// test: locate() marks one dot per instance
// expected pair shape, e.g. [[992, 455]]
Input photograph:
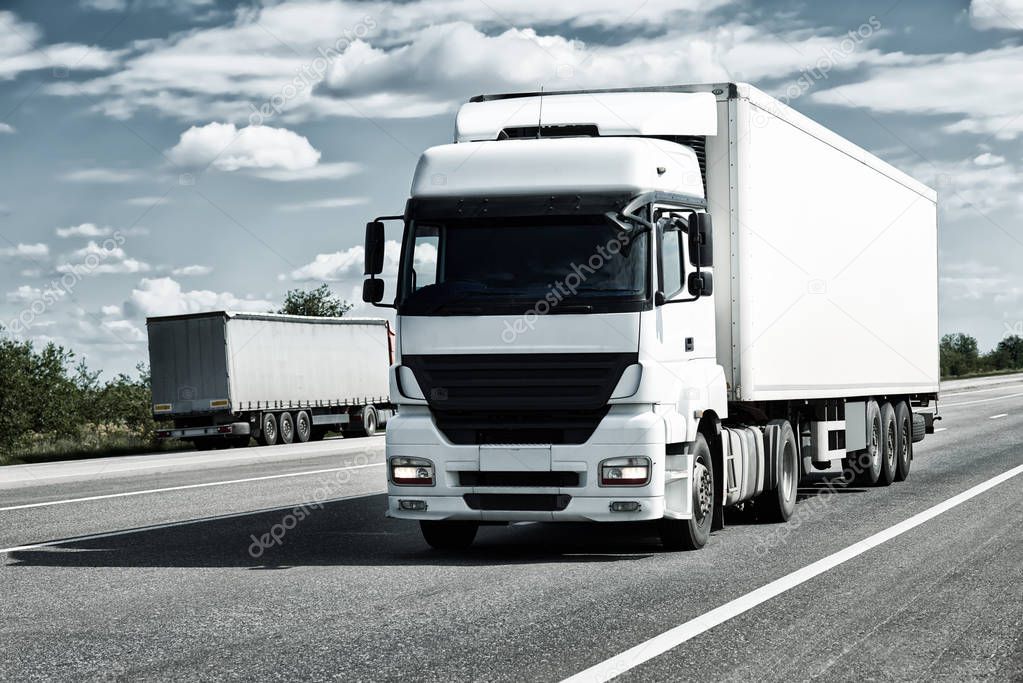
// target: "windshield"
[[566, 264]]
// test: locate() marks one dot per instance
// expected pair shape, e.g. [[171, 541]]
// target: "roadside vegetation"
[[961, 358]]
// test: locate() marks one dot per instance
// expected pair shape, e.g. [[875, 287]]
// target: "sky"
[[172, 156]]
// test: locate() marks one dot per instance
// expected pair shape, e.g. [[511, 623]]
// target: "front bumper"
[[626, 431]]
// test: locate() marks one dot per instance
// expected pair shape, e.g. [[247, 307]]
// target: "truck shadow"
[[350, 532]]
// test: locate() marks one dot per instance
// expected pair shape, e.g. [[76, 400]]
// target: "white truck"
[[221, 378], [576, 342]]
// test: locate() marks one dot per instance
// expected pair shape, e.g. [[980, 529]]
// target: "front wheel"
[[449, 535], [692, 534]]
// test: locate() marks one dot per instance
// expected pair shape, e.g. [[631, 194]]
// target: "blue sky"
[[133, 182]]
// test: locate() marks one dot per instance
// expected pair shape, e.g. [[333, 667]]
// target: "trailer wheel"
[[889, 445], [369, 424], [287, 424], [268, 430], [449, 535], [692, 534], [903, 441], [778, 504], [866, 465], [303, 427]]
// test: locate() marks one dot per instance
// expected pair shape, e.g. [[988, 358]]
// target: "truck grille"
[[519, 398], [552, 479], [519, 502]]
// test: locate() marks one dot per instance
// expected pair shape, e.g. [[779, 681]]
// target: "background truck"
[[221, 378], [652, 304]]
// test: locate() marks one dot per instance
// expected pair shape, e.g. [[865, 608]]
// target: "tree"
[[958, 354], [1008, 355], [319, 302]]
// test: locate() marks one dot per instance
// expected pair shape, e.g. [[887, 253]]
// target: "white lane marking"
[[633, 657], [995, 417], [186, 486], [939, 429], [184, 522], [979, 400]]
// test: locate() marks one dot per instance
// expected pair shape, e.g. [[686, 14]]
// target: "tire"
[[903, 441], [447, 535], [692, 534], [287, 427], [866, 465], [303, 427], [369, 424], [778, 504], [268, 432], [889, 447]]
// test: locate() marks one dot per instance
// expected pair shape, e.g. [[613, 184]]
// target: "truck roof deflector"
[[642, 114]]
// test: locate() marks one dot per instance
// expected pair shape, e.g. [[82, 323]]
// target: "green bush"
[[49, 402]]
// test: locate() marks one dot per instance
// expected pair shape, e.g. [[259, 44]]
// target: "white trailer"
[[220, 378], [652, 304]]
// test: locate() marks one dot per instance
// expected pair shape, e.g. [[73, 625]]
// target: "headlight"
[[625, 472], [412, 471]]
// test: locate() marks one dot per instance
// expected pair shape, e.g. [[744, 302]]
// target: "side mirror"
[[374, 248], [373, 291], [701, 241], [701, 284]]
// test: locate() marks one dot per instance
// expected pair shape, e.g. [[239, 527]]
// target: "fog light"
[[412, 471], [625, 506], [414, 505], [625, 472]]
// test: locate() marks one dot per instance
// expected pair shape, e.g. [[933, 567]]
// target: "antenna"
[[539, 114]]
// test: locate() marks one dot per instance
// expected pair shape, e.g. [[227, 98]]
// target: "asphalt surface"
[[168, 584]]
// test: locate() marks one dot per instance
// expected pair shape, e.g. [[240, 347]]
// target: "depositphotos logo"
[[275, 535]]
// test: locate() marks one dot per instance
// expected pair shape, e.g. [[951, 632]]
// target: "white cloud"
[[26, 294], [85, 230], [335, 203], [145, 201], [22, 49], [105, 259], [227, 148], [344, 265], [410, 59], [988, 159], [125, 330], [37, 250], [982, 89], [164, 296], [331, 171], [100, 175], [192, 270], [6, 127], [111, 310], [997, 14]]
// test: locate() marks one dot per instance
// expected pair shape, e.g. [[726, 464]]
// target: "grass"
[[987, 373], [95, 443]]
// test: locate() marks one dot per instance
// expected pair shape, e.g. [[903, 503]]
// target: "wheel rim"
[[286, 428], [270, 429], [875, 445], [788, 472], [704, 493], [303, 426], [904, 451], [890, 455]]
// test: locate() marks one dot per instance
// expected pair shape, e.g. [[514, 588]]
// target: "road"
[[162, 575]]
